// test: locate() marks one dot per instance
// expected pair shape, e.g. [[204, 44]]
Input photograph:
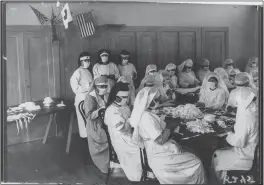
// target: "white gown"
[[169, 164], [80, 82], [243, 140], [127, 152]]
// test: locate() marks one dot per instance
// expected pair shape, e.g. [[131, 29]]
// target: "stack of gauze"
[[47, 102], [30, 106]]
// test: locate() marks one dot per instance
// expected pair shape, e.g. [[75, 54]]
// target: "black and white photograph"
[[130, 92]]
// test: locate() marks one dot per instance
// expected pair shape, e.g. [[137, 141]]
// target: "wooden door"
[[15, 69], [168, 48], [187, 46], [215, 45], [40, 68], [146, 51]]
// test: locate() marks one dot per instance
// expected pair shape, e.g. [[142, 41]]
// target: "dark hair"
[[119, 86], [213, 79], [83, 54], [125, 52], [102, 51]]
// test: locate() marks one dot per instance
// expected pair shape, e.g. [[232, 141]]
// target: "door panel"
[[215, 45], [146, 51], [187, 46], [167, 48], [15, 70]]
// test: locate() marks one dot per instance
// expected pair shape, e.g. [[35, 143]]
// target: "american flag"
[[42, 18], [86, 24]]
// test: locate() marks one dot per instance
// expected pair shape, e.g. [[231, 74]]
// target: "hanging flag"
[[86, 24], [66, 15], [42, 18]]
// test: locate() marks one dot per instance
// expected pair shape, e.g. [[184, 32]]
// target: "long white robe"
[[127, 152], [243, 140], [169, 164], [80, 82]]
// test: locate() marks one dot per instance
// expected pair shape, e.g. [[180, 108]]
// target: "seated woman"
[[252, 69], [106, 68], [243, 140], [132, 92], [94, 105], [225, 77], [171, 68], [117, 116], [126, 68], [228, 66], [213, 93], [170, 164], [151, 70], [187, 78], [205, 64], [242, 80]]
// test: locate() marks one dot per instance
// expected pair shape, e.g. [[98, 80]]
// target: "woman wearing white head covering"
[[151, 70], [228, 66], [204, 69], [170, 164], [186, 76], [252, 69], [243, 140], [225, 77], [132, 90], [94, 106], [171, 68], [117, 120], [213, 93]]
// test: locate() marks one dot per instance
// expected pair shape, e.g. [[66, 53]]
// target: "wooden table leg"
[[48, 128], [69, 133]]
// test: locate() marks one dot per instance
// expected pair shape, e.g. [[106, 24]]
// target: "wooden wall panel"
[[215, 45], [167, 48], [146, 51], [187, 46]]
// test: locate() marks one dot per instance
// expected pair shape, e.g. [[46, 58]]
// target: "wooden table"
[[52, 112]]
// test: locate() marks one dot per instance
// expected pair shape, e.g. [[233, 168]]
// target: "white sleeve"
[[96, 71], [116, 72], [75, 85], [240, 137]]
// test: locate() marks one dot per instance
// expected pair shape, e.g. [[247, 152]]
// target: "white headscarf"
[[149, 68], [221, 84], [142, 101], [181, 66], [170, 66]]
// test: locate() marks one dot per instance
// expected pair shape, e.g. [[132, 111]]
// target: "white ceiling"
[[234, 2]]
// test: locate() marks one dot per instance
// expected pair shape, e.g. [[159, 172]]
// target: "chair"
[[251, 176], [81, 110]]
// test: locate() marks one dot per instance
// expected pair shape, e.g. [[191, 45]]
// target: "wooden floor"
[[35, 162]]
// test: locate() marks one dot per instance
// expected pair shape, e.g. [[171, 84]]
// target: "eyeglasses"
[[125, 58], [102, 86], [172, 70], [229, 64]]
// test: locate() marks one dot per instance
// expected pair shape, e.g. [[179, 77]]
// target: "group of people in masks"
[[111, 99]]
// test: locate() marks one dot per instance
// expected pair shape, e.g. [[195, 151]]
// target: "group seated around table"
[[132, 122]]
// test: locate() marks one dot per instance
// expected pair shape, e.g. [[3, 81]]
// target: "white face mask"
[[230, 68], [254, 65], [101, 90], [124, 62], [85, 65], [104, 59], [122, 98], [212, 85]]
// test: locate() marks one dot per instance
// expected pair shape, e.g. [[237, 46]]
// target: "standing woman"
[[106, 68], [126, 68], [81, 83], [117, 116], [203, 70], [94, 106], [252, 69], [171, 68]]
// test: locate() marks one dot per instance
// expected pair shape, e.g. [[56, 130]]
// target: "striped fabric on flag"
[[86, 24], [42, 18]]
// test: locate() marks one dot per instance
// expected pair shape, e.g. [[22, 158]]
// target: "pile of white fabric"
[[30, 106], [199, 126], [188, 111]]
